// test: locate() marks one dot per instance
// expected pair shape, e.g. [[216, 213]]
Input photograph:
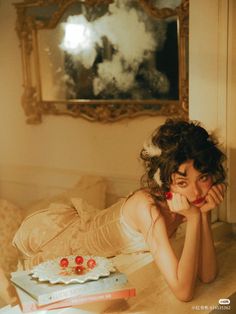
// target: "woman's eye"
[[182, 184], [204, 177]]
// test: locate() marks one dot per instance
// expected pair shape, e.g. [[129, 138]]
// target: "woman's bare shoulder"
[[141, 209], [142, 200]]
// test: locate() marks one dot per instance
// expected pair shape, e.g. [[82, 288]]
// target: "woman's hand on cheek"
[[214, 197], [179, 204]]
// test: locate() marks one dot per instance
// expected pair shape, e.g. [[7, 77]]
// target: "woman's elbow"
[[208, 279], [184, 295], [208, 275]]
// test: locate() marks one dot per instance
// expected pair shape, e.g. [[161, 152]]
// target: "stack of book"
[[35, 295]]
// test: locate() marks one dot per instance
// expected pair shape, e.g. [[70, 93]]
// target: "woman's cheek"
[[208, 185], [188, 195], [174, 188], [182, 191]]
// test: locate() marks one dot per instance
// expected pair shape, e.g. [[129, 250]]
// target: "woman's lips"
[[198, 201]]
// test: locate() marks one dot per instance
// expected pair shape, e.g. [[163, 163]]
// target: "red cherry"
[[79, 260], [64, 262], [91, 263], [79, 269]]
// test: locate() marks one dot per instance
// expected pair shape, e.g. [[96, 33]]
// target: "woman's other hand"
[[214, 197], [179, 204]]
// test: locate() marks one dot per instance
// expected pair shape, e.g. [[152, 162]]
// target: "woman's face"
[[191, 183]]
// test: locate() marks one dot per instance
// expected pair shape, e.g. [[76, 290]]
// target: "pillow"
[[7, 291], [90, 188], [10, 220]]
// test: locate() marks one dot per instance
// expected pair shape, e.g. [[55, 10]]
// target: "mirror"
[[104, 60]]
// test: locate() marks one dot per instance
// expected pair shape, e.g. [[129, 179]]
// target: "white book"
[[46, 293], [11, 310]]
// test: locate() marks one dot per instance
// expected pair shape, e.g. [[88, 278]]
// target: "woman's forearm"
[[188, 263], [207, 268]]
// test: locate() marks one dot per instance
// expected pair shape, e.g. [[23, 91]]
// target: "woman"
[[184, 181]]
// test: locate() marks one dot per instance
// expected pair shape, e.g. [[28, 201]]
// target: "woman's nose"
[[196, 190]]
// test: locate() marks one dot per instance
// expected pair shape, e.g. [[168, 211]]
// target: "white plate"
[[52, 271]]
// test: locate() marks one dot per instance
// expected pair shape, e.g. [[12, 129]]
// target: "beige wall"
[[231, 111], [213, 79], [61, 142]]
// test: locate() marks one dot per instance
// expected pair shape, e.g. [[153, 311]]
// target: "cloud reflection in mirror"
[[118, 62]]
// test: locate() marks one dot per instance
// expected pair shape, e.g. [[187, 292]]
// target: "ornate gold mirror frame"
[[40, 21]]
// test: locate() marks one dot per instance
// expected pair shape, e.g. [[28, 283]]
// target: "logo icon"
[[224, 301]]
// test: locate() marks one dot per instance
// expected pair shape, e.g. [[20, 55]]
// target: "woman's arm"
[[180, 274], [207, 268]]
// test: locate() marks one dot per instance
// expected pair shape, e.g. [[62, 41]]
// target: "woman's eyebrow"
[[203, 174], [183, 174]]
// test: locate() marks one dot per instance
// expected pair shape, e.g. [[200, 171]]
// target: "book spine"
[[108, 283], [82, 299], [29, 305]]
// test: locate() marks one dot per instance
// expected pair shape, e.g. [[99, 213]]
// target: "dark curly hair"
[[177, 142]]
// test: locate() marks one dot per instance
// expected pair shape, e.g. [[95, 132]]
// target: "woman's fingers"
[[178, 202], [220, 188], [214, 197], [217, 192]]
